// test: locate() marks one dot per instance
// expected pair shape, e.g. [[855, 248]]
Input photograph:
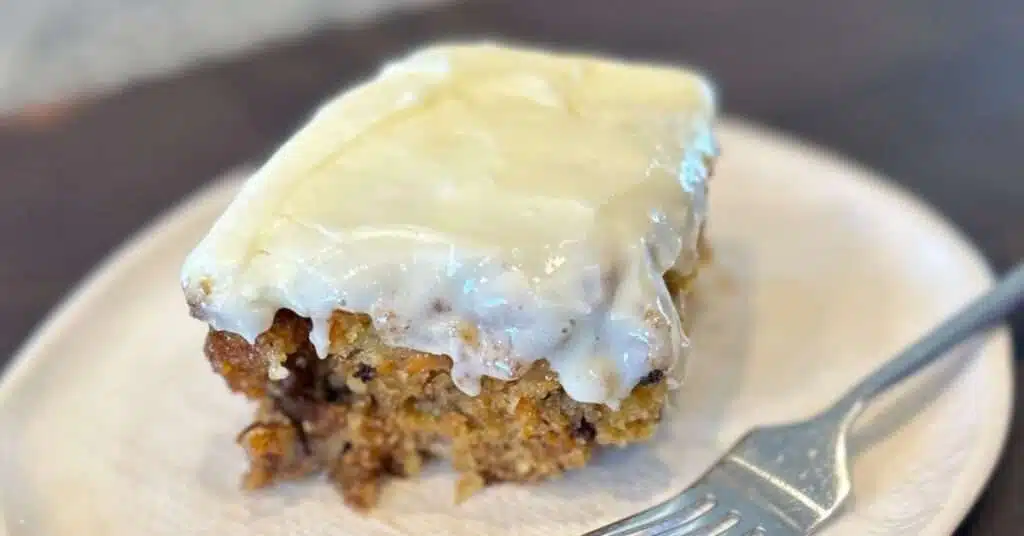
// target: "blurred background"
[[112, 110]]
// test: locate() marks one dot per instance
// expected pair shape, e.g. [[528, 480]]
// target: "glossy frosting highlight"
[[498, 205]]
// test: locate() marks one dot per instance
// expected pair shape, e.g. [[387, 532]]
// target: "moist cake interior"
[[370, 411]]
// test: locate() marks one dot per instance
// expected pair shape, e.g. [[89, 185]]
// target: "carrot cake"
[[478, 254]]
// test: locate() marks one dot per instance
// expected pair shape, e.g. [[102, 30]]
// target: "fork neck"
[[980, 315]]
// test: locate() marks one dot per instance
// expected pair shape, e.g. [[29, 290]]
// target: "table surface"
[[930, 93]]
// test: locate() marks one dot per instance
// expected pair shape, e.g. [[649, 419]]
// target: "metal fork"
[[787, 480]]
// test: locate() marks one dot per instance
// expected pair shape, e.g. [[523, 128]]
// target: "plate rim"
[[977, 470]]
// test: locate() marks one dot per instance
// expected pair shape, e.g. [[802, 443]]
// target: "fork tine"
[[758, 525], [672, 513], [747, 526], [713, 523]]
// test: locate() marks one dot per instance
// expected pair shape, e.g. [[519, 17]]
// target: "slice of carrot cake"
[[477, 254]]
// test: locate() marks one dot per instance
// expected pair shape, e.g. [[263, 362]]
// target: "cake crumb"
[[277, 372], [469, 334], [468, 484]]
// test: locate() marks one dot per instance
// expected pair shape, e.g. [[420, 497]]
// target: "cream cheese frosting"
[[496, 204]]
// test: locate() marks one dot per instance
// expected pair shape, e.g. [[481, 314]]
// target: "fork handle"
[[984, 312]]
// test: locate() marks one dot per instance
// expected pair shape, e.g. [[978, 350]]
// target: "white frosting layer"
[[494, 204]]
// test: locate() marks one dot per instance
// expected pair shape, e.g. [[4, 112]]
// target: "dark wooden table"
[[930, 92]]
